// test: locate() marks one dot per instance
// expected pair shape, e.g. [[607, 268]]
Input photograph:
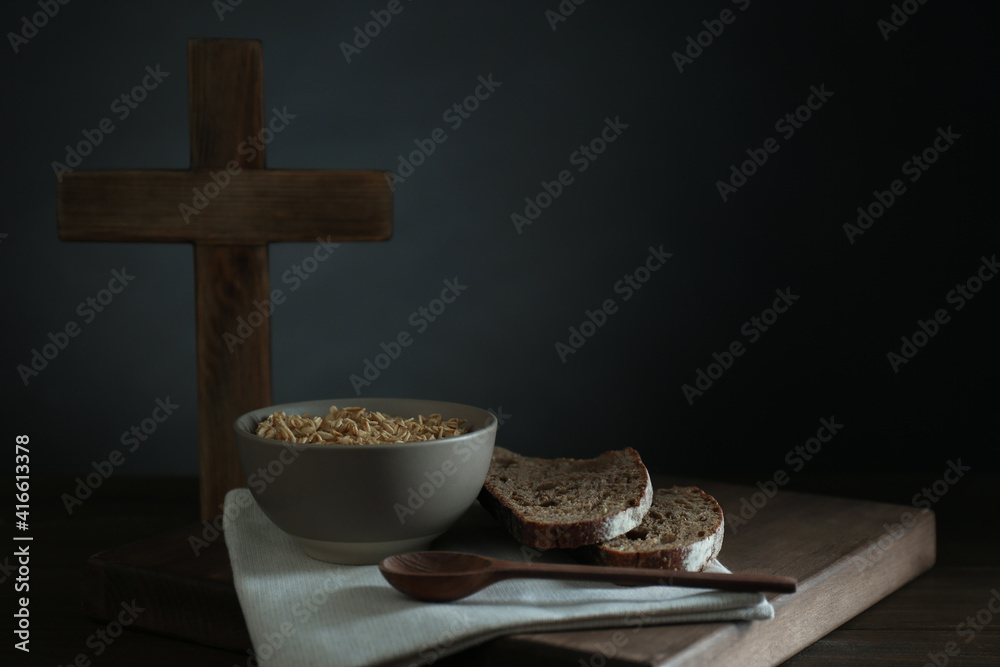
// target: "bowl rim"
[[491, 424]]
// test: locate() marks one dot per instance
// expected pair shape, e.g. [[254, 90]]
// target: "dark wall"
[[879, 97]]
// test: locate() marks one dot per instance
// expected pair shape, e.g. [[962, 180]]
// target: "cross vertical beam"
[[226, 105]]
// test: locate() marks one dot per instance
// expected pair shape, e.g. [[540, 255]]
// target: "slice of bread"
[[682, 531], [549, 503]]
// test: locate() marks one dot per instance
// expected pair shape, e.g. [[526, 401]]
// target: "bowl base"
[[362, 553]]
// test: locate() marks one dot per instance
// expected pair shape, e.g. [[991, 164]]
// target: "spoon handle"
[[628, 575]]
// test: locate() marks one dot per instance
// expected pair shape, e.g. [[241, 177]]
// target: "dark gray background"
[[494, 347]]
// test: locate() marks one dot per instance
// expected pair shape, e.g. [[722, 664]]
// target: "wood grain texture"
[[255, 206], [234, 367], [226, 104], [445, 576], [923, 618], [206, 587], [838, 549], [225, 100]]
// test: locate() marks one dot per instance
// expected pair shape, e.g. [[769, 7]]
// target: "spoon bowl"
[[442, 576], [438, 576]]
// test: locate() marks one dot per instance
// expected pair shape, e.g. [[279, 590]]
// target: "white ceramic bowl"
[[357, 504]]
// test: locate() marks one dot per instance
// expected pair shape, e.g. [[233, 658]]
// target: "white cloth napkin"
[[303, 612]]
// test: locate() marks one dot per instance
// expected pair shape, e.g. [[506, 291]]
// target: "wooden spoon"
[[441, 576]]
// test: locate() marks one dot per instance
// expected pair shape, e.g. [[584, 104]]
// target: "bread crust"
[[693, 557], [550, 535]]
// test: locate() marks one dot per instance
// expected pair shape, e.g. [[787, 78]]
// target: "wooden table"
[[903, 629]]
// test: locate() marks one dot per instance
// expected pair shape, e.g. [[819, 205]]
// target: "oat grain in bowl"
[[357, 426]]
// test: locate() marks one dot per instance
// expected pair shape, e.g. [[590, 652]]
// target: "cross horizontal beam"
[[251, 206]]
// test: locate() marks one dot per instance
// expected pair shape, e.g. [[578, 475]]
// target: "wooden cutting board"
[[846, 554]]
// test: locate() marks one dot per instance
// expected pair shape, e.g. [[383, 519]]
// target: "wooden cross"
[[242, 208]]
